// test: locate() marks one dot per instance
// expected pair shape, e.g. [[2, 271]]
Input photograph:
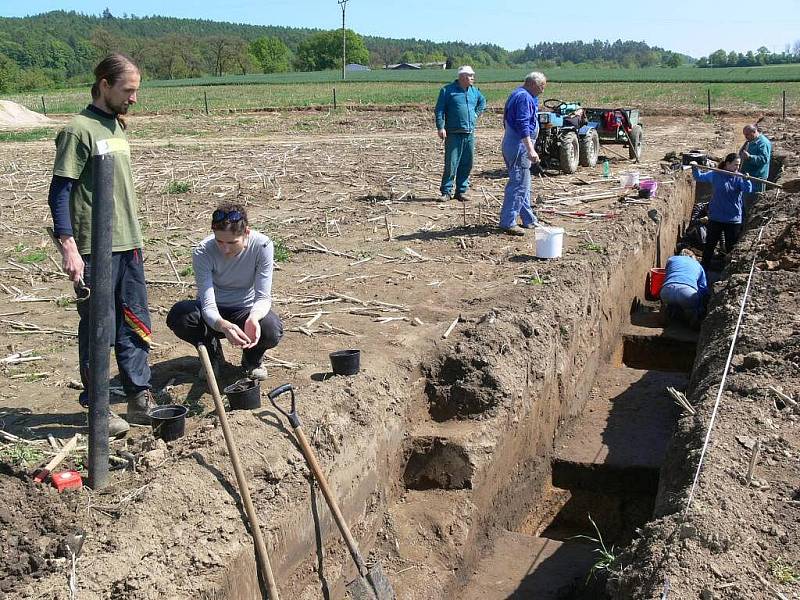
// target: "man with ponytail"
[[100, 129]]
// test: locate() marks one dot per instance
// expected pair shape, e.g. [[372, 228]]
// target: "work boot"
[[516, 231], [444, 198], [256, 372], [117, 426], [139, 406], [462, 197]]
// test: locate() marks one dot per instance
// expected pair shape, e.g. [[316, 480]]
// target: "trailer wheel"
[[589, 148], [635, 148], [568, 153]]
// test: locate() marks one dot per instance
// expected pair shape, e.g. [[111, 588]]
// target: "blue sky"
[[696, 28]]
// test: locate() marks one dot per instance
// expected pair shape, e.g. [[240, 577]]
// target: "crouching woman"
[[685, 290], [233, 271]]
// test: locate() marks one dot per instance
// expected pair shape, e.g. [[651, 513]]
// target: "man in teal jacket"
[[457, 110], [756, 155]]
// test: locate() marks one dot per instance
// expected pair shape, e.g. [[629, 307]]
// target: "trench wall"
[[547, 357]]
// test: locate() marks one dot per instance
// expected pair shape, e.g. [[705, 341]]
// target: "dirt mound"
[[33, 525], [784, 251], [16, 115]]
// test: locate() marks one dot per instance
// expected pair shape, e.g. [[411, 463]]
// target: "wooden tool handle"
[[59, 458], [738, 174], [244, 491]]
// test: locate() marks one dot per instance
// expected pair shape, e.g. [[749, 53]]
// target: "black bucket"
[[345, 362], [168, 421], [245, 394]]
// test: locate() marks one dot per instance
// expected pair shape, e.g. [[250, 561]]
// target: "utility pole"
[[343, 4]]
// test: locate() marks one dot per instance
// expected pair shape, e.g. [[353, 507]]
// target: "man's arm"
[[480, 105], [439, 112], [58, 199], [759, 156]]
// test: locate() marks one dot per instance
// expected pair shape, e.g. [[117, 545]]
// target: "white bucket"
[[549, 241], [629, 180]]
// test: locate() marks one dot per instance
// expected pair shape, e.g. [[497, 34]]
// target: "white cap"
[[466, 69]]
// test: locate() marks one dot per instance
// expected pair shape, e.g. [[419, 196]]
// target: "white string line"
[[724, 378]]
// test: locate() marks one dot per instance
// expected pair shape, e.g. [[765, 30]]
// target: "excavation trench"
[[538, 415]]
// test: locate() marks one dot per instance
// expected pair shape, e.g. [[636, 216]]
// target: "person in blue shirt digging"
[[233, 271], [685, 288], [457, 110], [725, 208]]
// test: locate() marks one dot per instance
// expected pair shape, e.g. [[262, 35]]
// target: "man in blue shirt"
[[756, 154], [457, 110], [521, 129], [685, 288]]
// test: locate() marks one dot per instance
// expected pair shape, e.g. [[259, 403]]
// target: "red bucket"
[[655, 279]]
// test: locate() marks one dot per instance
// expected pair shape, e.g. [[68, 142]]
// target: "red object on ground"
[[657, 277], [66, 480]]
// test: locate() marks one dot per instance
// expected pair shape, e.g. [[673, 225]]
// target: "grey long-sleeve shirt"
[[242, 281]]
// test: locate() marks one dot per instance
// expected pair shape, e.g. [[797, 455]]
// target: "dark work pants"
[[715, 230], [185, 319], [131, 319]]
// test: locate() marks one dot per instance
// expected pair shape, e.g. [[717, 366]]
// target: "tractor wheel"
[[568, 153], [590, 148], [635, 148]]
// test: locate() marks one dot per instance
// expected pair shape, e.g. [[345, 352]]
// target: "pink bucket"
[[649, 186]]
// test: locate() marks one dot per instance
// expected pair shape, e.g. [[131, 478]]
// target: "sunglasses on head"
[[231, 216]]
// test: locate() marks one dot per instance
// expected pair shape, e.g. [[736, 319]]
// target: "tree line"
[[760, 57], [60, 48]]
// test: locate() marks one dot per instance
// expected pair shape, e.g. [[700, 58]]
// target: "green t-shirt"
[[87, 135]]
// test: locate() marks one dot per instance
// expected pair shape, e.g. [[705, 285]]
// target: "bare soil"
[[376, 263]]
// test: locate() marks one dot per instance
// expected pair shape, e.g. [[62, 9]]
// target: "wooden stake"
[[452, 326], [753, 459]]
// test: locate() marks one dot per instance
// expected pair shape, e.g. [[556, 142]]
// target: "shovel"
[[244, 490], [372, 583]]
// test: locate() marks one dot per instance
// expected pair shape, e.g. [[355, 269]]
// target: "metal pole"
[[101, 316], [44, 107], [343, 4], [205, 98], [334, 98], [709, 100], [784, 105]]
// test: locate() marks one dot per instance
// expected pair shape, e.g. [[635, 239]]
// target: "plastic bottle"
[[606, 169]]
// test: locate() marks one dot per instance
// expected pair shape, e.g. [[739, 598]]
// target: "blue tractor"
[[566, 137], [570, 135]]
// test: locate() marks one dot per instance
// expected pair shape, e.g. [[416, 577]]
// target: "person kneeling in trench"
[[685, 289], [233, 270]]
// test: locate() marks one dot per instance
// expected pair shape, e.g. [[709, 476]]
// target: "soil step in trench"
[[648, 344], [620, 440], [526, 567]]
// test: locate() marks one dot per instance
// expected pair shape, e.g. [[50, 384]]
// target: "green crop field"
[[573, 74], [393, 88]]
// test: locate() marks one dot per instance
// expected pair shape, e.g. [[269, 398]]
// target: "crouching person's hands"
[[252, 329], [235, 336]]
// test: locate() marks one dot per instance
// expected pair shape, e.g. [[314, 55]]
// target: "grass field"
[[728, 96], [573, 74]]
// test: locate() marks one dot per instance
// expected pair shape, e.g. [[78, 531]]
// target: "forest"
[[59, 49]]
